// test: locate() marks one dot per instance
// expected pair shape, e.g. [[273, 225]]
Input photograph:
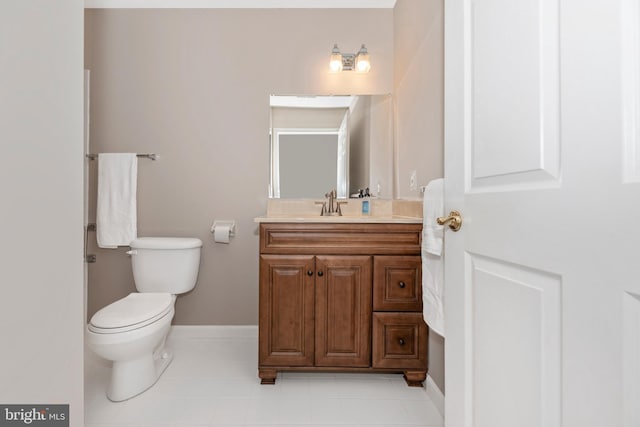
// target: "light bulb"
[[335, 62]]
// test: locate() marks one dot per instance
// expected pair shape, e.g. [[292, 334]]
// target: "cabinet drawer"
[[399, 341], [340, 239], [397, 283]]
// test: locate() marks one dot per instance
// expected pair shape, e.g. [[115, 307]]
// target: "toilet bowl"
[[132, 331]]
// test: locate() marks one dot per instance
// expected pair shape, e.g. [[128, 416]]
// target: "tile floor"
[[212, 381]]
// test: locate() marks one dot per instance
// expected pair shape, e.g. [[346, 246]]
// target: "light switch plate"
[[413, 181]]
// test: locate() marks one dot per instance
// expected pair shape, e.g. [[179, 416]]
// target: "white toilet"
[[131, 332]]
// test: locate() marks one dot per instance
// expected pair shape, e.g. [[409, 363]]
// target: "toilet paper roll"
[[221, 234]]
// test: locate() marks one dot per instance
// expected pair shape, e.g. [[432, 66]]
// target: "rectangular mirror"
[[320, 143]]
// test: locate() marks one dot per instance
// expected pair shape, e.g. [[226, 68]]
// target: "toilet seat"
[[134, 311]]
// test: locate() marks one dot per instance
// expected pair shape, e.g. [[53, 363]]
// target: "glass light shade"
[[335, 62], [363, 64]]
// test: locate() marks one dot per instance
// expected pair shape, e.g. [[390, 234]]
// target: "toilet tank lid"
[[166, 243]]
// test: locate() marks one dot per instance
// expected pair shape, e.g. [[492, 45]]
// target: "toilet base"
[[131, 377]]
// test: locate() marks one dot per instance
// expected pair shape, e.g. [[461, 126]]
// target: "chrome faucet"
[[331, 195], [334, 205]]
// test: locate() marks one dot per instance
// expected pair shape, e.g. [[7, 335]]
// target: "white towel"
[[116, 218], [432, 256], [432, 208]]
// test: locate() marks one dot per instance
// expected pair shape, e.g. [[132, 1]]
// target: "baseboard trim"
[[213, 331], [435, 394]]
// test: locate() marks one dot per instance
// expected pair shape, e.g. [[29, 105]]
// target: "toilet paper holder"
[[225, 223]]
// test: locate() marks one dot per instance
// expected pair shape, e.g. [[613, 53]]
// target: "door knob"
[[454, 219]]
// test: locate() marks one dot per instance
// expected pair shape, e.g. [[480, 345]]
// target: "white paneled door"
[[542, 159]]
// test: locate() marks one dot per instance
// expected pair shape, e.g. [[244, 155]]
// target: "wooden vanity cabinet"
[[341, 297], [315, 311]]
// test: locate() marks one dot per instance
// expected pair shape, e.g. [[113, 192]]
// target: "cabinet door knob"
[[310, 273], [402, 284], [320, 273], [401, 341]]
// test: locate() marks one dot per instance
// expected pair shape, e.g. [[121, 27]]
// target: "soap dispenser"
[[366, 206]]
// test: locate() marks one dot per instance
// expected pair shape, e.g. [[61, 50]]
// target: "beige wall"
[[418, 92], [41, 176], [419, 98], [193, 86]]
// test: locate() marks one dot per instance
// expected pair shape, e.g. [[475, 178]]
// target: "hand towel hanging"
[[116, 217], [432, 256]]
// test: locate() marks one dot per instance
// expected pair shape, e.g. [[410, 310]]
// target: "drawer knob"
[[401, 341], [310, 273], [402, 284], [320, 273]]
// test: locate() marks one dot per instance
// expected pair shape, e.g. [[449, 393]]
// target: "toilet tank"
[[165, 264]]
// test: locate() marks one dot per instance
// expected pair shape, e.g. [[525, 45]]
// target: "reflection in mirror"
[[320, 143]]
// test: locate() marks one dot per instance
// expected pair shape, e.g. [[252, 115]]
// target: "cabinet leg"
[[267, 376], [415, 378]]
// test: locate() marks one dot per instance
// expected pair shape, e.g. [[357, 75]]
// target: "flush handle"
[[132, 252], [454, 220]]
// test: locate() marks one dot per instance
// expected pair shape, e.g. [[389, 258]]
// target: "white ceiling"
[[239, 4]]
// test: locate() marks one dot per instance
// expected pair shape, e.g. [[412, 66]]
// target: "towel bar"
[[89, 258], [151, 156]]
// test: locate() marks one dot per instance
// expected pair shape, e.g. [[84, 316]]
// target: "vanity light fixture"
[[359, 62]]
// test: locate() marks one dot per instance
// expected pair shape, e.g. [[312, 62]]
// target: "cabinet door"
[[343, 311], [286, 310]]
